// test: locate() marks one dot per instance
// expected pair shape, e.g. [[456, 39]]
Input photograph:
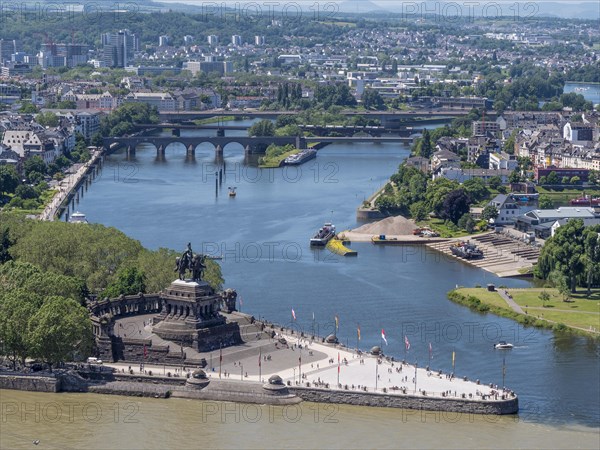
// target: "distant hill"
[[578, 9], [359, 6]]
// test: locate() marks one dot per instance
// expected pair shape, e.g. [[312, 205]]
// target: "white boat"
[[78, 217], [503, 345]]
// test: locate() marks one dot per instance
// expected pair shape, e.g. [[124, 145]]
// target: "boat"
[[322, 237], [232, 192], [300, 157], [503, 345], [466, 250], [586, 200], [78, 217]]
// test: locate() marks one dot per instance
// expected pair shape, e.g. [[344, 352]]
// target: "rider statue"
[[190, 261]]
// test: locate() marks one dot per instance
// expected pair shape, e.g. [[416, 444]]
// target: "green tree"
[[17, 307], [60, 331], [495, 182], [476, 189], [467, 223], [262, 128], [26, 192], [515, 177], [5, 243], [552, 178], [28, 108], [9, 179], [489, 212], [565, 180], [129, 281], [591, 244], [544, 297], [47, 119], [419, 211], [34, 164], [372, 100], [545, 202]]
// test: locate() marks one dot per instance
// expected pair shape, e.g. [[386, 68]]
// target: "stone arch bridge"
[[252, 145]]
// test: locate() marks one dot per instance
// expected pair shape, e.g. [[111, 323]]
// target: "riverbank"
[[68, 185], [580, 315]]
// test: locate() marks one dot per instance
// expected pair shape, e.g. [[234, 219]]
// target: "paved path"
[[508, 298], [66, 186]]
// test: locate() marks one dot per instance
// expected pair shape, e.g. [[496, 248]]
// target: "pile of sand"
[[390, 225]]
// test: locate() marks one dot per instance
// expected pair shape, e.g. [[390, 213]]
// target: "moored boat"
[[300, 157], [466, 250], [78, 217], [322, 237]]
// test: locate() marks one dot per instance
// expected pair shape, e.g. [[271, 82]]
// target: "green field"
[[579, 311]]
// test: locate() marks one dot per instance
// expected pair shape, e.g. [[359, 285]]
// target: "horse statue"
[[192, 262]]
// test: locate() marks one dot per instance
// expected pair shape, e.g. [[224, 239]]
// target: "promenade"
[[67, 185], [303, 362]]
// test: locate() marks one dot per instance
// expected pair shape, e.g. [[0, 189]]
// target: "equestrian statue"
[[192, 262]]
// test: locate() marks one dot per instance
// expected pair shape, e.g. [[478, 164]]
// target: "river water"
[[590, 91], [263, 236]]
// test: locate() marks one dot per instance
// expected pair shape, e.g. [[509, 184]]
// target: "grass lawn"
[[581, 311], [275, 161], [491, 298], [566, 195]]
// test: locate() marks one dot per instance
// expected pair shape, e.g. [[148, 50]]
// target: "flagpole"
[[503, 371], [376, 372], [430, 354], [338, 378], [453, 361], [260, 364], [220, 357], [416, 376]]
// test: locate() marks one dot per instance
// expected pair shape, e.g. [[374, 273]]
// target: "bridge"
[[252, 144], [386, 117], [321, 130]]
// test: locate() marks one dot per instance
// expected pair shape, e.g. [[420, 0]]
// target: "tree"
[[28, 108], [17, 307], [26, 192], [456, 204], [4, 245], [372, 99], [34, 164], [544, 297], [515, 177], [424, 146], [495, 182], [591, 244], [489, 212], [262, 128], [60, 330], [47, 119], [9, 179], [129, 281], [565, 180], [545, 202], [476, 189], [552, 178], [419, 211], [467, 223], [575, 180]]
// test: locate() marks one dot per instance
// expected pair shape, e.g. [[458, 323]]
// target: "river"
[[590, 91], [263, 236]]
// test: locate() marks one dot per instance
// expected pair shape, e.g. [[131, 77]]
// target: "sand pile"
[[390, 225]]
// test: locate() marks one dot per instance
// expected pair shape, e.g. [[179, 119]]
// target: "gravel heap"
[[390, 225]]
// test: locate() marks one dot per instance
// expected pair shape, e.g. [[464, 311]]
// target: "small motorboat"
[[503, 345], [232, 192]]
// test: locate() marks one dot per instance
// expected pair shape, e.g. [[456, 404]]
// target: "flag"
[[383, 336], [337, 323], [358, 331], [145, 352], [241, 302], [453, 356], [313, 316], [406, 343], [293, 314], [430, 350]]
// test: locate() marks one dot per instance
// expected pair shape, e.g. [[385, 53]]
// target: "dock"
[[502, 255]]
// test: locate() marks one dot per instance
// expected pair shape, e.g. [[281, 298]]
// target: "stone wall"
[[29, 383], [510, 406]]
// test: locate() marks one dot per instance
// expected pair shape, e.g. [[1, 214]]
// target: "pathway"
[[508, 298]]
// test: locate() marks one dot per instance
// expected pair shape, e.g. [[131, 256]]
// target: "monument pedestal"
[[190, 317]]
